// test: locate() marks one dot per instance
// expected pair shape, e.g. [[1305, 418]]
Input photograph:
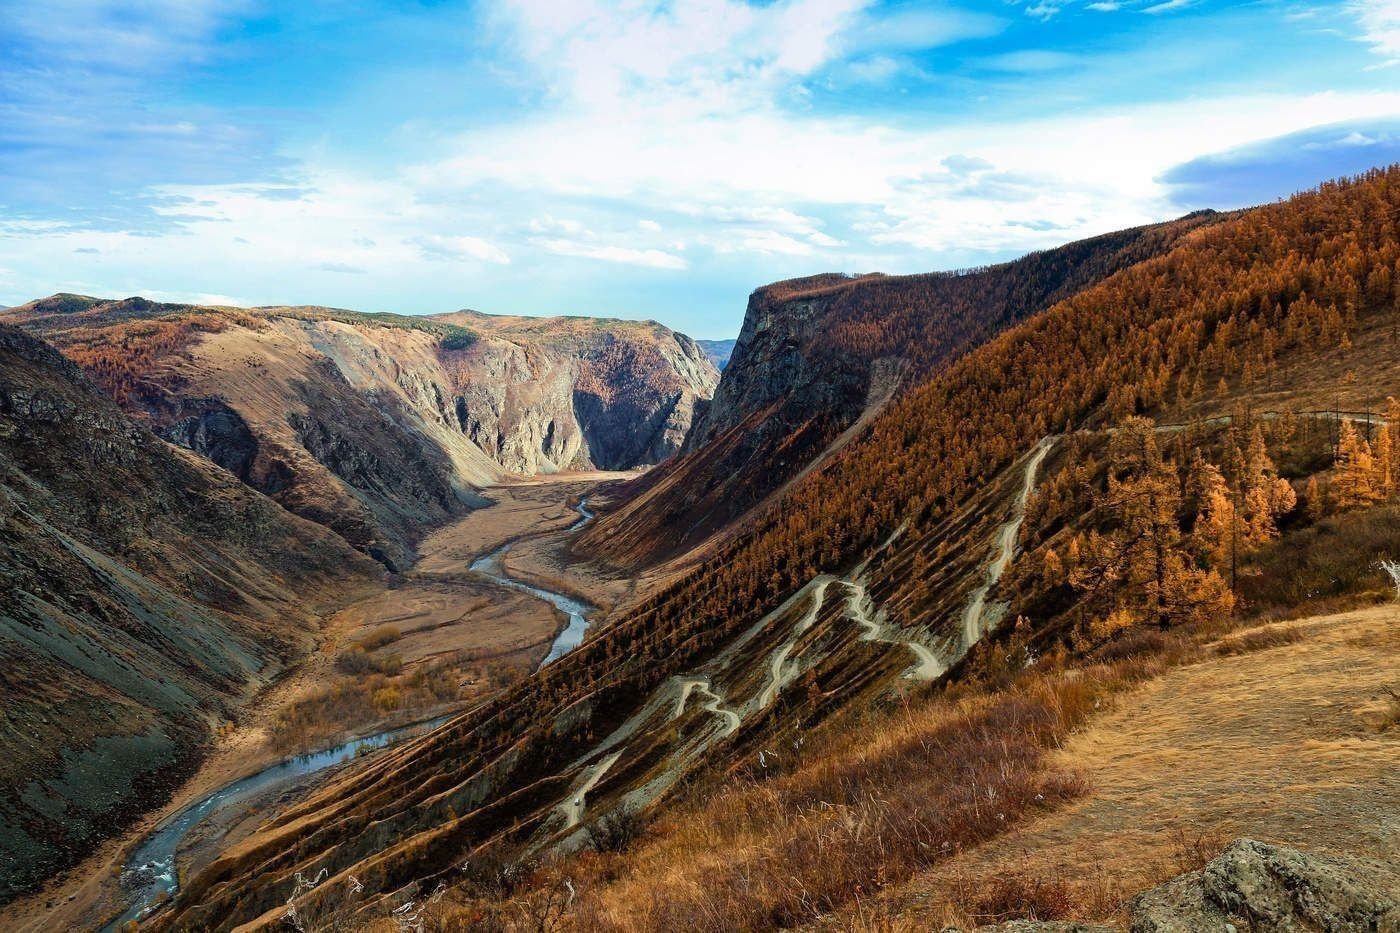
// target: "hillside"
[[144, 594], [817, 358], [1021, 481], [381, 426]]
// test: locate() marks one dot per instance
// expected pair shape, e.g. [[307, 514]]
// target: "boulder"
[[1261, 888]]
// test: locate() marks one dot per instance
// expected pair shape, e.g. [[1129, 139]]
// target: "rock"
[[1046, 926], [1273, 889], [211, 429]]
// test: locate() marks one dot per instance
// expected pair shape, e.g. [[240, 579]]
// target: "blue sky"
[[645, 159]]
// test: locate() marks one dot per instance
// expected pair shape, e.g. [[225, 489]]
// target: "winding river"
[[572, 634], [149, 875]]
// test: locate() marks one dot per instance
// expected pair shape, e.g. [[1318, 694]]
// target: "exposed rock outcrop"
[[215, 431], [1253, 886], [818, 357]]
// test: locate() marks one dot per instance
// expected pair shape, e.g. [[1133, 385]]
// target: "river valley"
[[460, 600]]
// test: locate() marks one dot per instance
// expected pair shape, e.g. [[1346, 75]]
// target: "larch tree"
[[1353, 482]]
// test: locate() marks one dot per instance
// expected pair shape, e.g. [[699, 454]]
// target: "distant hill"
[[718, 351], [380, 426]]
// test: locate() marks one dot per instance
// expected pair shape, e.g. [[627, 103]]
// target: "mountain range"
[[921, 533]]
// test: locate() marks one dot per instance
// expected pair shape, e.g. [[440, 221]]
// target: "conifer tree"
[[1216, 522], [1385, 462], [1354, 483], [1313, 501]]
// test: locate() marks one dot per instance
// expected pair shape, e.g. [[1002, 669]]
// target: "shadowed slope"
[[144, 592]]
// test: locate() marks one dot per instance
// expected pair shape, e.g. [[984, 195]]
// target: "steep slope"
[[817, 357], [891, 563], [144, 593], [382, 426]]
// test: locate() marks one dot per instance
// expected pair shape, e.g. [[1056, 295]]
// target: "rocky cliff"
[[144, 592], [818, 357], [379, 426]]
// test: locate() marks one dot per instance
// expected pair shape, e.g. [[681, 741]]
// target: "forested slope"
[[816, 355], [896, 524]]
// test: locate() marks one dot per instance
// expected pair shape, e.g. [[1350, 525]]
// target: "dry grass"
[[1389, 717], [869, 807], [1280, 744], [1193, 848], [381, 636], [1259, 639]]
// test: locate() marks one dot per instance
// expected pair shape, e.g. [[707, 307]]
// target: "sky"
[[645, 159]]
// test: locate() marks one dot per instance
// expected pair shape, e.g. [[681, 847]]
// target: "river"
[[572, 634], [149, 875]]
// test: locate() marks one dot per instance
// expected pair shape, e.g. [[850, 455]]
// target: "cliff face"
[[559, 393], [818, 357], [379, 426], [144, 592]]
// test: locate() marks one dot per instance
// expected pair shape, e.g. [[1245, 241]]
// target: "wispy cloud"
[[1380, 25], [458, 248], [531, 155], [1169, 6]]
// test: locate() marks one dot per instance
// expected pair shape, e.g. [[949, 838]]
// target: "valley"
[[955, 575], [449, 613]]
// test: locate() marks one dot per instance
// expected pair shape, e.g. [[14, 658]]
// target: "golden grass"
[[872, 802]]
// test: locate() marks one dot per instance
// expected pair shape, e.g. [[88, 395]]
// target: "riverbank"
[[442, 614]]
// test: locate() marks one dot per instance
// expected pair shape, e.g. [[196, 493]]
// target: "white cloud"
[[650, 258], [461, 247], [649, 226], [1169, 6], [1380, 25]]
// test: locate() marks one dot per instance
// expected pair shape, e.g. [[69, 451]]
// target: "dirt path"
[[1283, 745], [975, 617]]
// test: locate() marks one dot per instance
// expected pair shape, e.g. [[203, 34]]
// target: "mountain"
[[817, 358], [381, 426], [719, 351], [1027, 527], [145, 593]]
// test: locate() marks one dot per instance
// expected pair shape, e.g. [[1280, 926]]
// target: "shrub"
[[381, 636], [357, 661], [387, 699], [1011, 897], [615, 831]]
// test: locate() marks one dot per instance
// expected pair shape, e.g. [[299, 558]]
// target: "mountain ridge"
[[382, 426]]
